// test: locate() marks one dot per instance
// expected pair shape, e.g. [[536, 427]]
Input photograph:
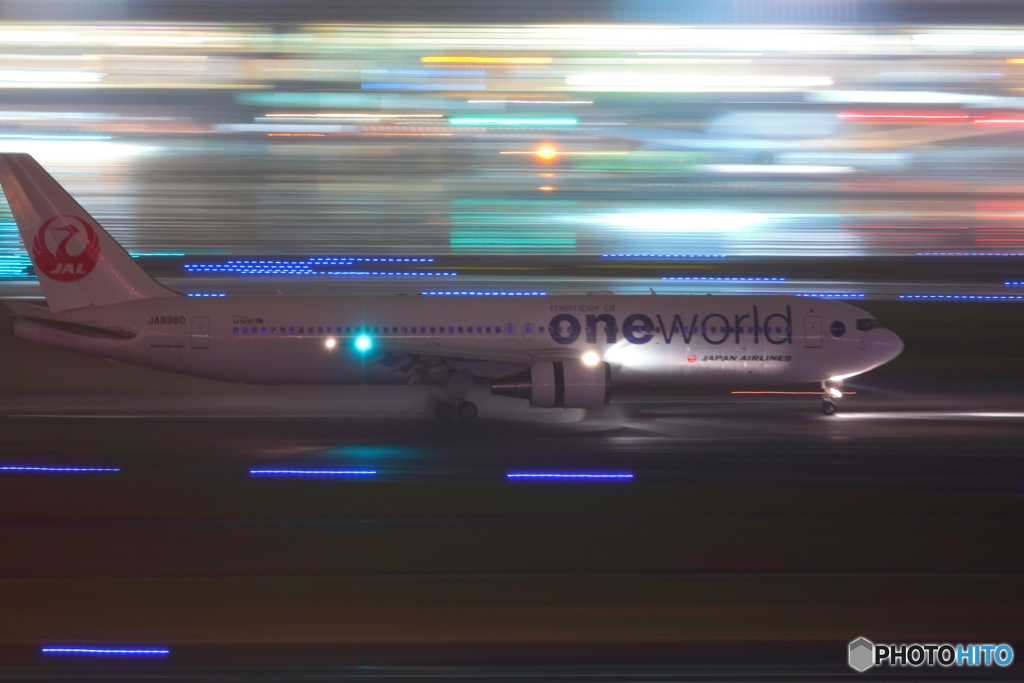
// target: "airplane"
[[554, 351]]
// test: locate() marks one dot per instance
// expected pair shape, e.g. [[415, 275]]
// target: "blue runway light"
[[313, 473], [726, 279], [205, 294], [1013, 284], [107, 651], [966, 253], [851, 295], [317, 266], [976, 297], [453, 293], [13, 468], [363, 343], [569, 475], [662, 255]]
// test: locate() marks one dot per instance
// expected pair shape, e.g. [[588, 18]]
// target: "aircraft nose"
[[889, 344]]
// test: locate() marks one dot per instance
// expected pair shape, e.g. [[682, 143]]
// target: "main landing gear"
[[446, 411], [831, 391]]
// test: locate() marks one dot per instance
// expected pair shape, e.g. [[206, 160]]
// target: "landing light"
[[363, 343], [591, 358], [547, 152], [330, 342]]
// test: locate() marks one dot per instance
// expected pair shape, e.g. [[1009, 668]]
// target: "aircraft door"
[[200, 333], [812, 332]]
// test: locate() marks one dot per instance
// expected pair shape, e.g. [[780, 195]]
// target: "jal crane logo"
[[65, 249]]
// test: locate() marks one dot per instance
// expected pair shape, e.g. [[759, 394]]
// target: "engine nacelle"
[[560, 384]]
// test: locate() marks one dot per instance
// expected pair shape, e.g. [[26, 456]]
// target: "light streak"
[[105, 651], [513, 122], [312, 473], [568, 475], [13, 468], [530, 101], [963, 296], [356, 116], [453, 293], [910, 117], [1016, 122], [485, 60], [663, 256], [727, 279]]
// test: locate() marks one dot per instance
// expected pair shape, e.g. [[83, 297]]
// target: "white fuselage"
[[733, 340]]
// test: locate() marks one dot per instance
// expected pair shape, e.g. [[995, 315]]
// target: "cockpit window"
[[865, 324]]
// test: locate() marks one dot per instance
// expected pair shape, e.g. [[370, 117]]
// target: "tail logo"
[[66, 248]]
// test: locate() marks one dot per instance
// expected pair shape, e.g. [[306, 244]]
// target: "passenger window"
[[245, 330], [451, 330], [541, 329], [479, 330], [460, 330], [236, 330], [529, 329], [431, 330], [423, 330]]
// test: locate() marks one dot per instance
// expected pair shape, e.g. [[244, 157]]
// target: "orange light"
[[546, 188], [547, 152]]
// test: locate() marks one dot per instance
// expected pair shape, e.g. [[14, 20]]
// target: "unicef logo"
[[838, 329]]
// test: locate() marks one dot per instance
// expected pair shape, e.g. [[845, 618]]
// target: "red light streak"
[[905, 117], [1001, 121]]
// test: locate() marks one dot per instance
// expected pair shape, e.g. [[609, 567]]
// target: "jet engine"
[[559, 384]]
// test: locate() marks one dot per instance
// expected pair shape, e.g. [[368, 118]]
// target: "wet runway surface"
[[921, 433], [755, 533]]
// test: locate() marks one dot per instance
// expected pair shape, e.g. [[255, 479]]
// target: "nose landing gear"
[[831, 390]]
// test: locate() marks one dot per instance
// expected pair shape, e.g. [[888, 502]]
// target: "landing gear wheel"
[[467, 411], [443, 411], [828, 407]]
